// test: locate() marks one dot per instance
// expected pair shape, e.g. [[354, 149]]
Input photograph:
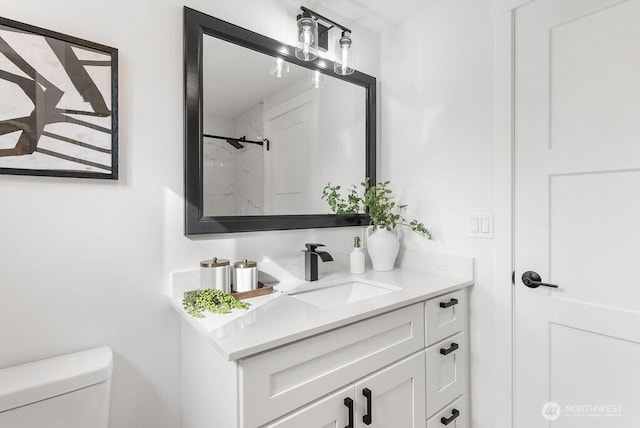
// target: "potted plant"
[[377, 200]]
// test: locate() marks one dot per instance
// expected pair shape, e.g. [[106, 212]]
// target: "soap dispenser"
[[357, 257]]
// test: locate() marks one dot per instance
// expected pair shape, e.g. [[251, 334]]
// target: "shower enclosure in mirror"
[[265, 132]]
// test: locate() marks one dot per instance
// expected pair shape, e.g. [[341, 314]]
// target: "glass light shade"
[[344, 55], [307, 41], [279, 68]]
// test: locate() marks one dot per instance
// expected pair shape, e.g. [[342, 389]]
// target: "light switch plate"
[[480, 225]]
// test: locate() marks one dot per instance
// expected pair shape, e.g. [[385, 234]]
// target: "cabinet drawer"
[[281, 380], [449, 414], [444, 321], [446, 372]]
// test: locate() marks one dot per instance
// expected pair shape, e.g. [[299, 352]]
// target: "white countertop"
[[278, 318]]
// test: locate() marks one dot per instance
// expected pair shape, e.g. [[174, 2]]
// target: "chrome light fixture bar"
[[313, 36]]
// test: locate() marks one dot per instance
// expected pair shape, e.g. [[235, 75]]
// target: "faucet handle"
[[312, 247]]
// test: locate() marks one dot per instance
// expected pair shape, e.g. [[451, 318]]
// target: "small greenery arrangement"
[[197, 301], [376, 200]]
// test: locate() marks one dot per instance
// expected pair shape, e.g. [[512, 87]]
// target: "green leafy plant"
[[197, 301], [376, 200]]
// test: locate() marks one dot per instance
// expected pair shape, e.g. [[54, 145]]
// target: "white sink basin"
[[342, 293]]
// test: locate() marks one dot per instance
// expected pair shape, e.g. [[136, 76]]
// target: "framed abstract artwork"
[[58, 104]]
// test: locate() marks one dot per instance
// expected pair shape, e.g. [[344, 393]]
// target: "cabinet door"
[[397, 396], [329, 412]]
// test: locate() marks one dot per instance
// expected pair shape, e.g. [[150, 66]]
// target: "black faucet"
[[311, 261]]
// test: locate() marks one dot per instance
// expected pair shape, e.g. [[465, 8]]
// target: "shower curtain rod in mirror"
[[235, 142]]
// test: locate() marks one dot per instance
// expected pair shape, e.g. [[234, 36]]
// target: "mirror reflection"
[[274, 134]]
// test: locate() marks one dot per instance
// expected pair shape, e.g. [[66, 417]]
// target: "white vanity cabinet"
[[384, 371]]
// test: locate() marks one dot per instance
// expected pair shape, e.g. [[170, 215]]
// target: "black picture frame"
[[72, 128], [196, 25]]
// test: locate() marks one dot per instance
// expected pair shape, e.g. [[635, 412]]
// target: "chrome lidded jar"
[[245, 276], [215, 273]]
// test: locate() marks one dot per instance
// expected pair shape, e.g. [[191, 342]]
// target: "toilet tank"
[[71, 391]]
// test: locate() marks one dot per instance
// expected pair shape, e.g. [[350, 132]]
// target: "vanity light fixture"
[[313, 35]]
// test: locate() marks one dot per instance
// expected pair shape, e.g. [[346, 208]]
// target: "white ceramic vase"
[[383, 247]]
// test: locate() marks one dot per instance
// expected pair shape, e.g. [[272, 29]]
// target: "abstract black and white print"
[[58, 104]]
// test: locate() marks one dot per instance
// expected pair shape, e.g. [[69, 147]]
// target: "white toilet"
[[71, 391]]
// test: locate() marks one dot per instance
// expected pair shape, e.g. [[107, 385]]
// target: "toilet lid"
[[28, 383]]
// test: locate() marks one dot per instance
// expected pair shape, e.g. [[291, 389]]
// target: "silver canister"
[[245, 276], [215, 273]]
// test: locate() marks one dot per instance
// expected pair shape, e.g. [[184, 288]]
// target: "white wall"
[[437, 150], [85, 262]]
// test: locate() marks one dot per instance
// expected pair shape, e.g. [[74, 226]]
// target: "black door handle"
[[532, 280], [349, 403], [452, 348], [451, 302], [454, 414], [367, 417]]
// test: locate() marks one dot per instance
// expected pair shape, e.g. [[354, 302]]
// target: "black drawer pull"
[[452, 348], [450, 303], [367, 418], [349, 403], [454, 414]]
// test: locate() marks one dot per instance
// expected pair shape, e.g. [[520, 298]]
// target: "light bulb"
[[307, 37], [345, 54]]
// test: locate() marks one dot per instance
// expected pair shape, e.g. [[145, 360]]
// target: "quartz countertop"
[[278, 318]]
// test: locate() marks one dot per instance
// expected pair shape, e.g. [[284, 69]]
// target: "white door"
[[577, 209], [393, 397], [290, 162], [330, 412]]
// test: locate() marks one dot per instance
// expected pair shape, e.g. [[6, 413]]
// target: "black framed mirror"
[[265, 132]]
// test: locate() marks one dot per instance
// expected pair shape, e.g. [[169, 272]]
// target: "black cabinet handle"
[[367, 418], [349, 403], [452, 348], [450, 303], [454, 414]]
